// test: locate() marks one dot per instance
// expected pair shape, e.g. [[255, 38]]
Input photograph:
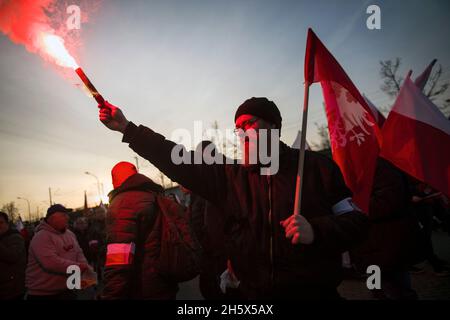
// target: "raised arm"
[[208, 181]]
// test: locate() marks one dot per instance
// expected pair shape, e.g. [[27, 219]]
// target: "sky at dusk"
[[170, 63]]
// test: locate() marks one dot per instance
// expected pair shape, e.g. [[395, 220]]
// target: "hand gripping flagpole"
[[301, 155]]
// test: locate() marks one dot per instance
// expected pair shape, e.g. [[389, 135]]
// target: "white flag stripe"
[[415, 105]]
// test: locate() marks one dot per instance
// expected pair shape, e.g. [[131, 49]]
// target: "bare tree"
[[12, 211], [434, 90], [391, 81], [324, 142], [436, 87]]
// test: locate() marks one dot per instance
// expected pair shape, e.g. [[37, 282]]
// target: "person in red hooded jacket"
[[133, 239]]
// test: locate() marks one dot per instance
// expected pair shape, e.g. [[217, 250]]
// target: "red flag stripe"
[[416, 138]]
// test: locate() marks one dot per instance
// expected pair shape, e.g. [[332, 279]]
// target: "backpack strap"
[[165, 206]]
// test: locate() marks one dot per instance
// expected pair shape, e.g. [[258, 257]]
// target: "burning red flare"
[[53, 45], [35, 24]]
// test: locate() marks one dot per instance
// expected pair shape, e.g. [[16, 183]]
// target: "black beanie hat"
[[261, 108], [56, 208]]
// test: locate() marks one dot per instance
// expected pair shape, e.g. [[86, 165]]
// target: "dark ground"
[[427, 285]]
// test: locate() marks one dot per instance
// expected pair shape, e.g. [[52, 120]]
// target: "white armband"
[[120, 254], [344, 206]]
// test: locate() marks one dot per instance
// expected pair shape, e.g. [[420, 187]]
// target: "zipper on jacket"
[[270, 230]]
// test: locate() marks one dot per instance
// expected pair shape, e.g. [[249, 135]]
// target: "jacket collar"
[[136, 182]]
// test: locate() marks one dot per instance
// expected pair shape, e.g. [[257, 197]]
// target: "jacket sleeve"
[[345, 226], [13, 249], [122, 237], [44, 251], [208, 181]]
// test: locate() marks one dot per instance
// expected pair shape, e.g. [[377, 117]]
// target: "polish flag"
[[420, 82], [19, 224], [422, 79], [379, 117], [416, 138], [354, 134]]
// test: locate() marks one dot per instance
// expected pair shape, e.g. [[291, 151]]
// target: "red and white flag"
[[416, 138], [420, 82], [354, 134], [19, 224], [379, 117], [422, 79]]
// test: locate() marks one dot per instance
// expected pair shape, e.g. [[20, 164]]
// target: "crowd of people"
[[234, 227]]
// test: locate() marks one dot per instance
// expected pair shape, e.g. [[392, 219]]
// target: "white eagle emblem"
[[351, 120]]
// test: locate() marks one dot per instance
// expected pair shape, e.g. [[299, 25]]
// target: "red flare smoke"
[[32, 24]]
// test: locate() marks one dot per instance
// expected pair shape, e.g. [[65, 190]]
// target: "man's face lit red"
[[59, 221], [250, 125]]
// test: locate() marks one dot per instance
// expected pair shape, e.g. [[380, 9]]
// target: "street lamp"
[[29, 211], [45, 203], [98, 184]]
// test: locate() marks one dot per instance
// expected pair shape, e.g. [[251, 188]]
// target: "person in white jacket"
[[52, 250]]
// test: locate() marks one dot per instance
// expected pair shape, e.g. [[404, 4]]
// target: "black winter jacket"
[[12, 265], [133, 218], [264, 260], [393, 241]]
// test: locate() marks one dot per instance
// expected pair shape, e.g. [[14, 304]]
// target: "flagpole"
[[301, 155]]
